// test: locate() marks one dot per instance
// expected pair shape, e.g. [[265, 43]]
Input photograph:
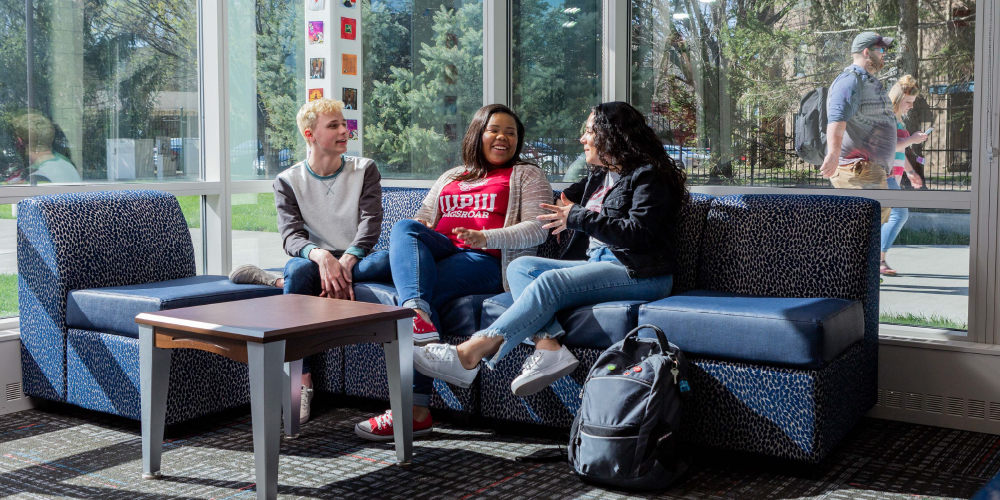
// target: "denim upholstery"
[[776, 331], [596, 326], [113, 309]]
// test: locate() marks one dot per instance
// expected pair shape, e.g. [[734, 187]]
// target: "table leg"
[[154, 375], [291, 395], [266, 380], [399, 367]]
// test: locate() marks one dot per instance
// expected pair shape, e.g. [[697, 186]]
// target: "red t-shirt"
[[475, 204]]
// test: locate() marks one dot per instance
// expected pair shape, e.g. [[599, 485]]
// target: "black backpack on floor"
[[625, 432]]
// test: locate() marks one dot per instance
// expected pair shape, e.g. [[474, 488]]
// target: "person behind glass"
[[902, 94], [861, 127], [329, 218], [474, 221], [34, 136], [626, 207]]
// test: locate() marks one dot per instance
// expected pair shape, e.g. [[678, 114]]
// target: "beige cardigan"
[[522, 232]]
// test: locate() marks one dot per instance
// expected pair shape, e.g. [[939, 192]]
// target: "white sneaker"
[[541, 369], [249, 274], [304, 404], [441, 361]]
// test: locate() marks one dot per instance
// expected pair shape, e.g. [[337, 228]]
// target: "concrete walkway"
[[933, 280]]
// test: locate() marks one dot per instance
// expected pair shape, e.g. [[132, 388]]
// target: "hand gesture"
[[347, 261], [335, 282], [471, 237], [559, 215]]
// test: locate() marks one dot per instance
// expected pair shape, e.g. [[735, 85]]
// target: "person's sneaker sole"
[[446, 378], [422, 339], [531, 386], [363, 434]]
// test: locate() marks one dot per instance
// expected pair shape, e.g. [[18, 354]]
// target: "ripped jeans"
[[541, 287]]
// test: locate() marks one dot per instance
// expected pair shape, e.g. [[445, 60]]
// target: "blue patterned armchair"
[[87, 264]]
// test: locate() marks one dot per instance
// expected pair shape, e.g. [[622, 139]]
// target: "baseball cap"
[[866, 39]]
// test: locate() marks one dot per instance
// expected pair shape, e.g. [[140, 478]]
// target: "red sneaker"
[[379, 428], [424, 332]]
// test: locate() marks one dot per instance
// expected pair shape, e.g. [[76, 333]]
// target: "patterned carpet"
[[63, 452]]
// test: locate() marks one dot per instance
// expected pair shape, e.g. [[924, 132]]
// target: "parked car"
[[688, 157]]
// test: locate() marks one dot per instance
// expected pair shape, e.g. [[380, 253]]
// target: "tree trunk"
[[907, 49]]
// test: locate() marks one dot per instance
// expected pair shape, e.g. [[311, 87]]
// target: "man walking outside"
[[861, 128]]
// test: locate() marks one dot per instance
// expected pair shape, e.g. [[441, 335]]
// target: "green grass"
[[6, 212], [8, 295], [910, 319], [930, 237], [190, 206], [257, 215]]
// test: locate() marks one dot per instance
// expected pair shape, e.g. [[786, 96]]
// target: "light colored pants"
[[898, 216], [862, 175], [541, 287]]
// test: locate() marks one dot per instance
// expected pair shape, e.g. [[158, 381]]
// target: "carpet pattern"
[[65, 452]]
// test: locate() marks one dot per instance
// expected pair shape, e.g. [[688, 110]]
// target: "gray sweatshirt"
[[340, 212]]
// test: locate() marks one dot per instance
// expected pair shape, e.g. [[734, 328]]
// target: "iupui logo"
[[470, 185], [455, 205]]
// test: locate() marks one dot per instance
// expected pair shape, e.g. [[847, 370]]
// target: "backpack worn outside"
[[810, 125], [625, 432]]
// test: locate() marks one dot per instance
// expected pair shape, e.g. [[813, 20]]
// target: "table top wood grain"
[[274, 318]]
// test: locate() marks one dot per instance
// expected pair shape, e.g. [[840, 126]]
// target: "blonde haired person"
[[329, 217], [34, 135], [902, 94]]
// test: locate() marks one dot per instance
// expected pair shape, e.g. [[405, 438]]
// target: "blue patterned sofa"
[[776, 303], [87, 264]]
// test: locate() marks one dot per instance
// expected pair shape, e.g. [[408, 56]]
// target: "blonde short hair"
[[906, 86], [310, 111], [36, 130]]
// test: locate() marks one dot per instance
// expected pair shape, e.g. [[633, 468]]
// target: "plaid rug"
[[65, 452]]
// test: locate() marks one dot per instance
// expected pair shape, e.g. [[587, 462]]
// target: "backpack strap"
[[660, 336]]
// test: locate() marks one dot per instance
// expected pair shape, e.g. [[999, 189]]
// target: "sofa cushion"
[[791, 332], [596, 326], [113, 309], [458, 317]]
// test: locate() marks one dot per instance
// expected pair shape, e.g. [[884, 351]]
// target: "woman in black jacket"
[[627, 208]]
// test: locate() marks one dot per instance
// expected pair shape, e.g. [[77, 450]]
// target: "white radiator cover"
[[12, 396]]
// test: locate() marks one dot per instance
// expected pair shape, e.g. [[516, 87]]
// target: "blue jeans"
[[541, 287], [897, 217], [429, 271]]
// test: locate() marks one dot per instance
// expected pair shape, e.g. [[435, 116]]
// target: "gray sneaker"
[[249, 274]]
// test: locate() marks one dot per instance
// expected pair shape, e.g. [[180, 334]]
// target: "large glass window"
[[423, 81], [722, 83], [556, 79], [266, 86], [929, 282], [99, 91], [255, 231]]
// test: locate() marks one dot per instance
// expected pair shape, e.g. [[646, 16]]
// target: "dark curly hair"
[[472, 144], [622, 138]]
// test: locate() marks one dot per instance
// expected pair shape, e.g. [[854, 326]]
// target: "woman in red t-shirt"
[[475, 220]]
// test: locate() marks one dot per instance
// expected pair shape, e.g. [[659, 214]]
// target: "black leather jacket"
[[637, 221]]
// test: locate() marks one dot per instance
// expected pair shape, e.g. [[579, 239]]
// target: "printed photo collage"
[[331, 37]]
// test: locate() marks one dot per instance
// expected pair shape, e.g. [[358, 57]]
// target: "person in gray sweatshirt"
[[329, 217]]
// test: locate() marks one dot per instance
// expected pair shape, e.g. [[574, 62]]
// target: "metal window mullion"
[[216, 213], [496, 52], [984, 265], [615, 51]]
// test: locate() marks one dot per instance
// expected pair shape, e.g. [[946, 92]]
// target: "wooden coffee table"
[[272, 335]]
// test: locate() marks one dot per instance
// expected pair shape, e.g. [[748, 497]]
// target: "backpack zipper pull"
[[674, 371]]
